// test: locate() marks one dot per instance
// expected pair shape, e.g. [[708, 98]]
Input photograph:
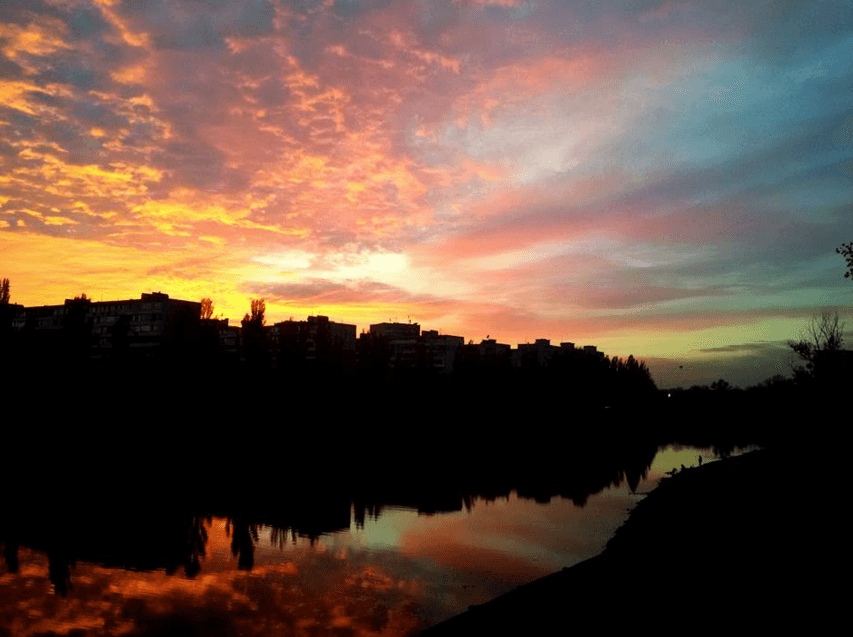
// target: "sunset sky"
[[657, 178]]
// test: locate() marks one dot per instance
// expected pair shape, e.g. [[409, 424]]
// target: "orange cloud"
[[19, 96], [24, 44], [126, 33]]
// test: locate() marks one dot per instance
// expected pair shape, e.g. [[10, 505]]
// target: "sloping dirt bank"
[[730, 546]]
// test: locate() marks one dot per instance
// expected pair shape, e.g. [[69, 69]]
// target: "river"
[[392, 570]]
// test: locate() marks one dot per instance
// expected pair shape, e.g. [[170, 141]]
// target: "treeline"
[[195, 359], [779, 411]]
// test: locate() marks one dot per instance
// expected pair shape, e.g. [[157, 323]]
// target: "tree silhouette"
[[721, 385], [244, 536], [206, 308], [846, 250], [259, 308], [820, 340], [7, 312], [254, 337]]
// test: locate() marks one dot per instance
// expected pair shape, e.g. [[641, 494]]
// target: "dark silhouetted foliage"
[[206, 308], [255, 338], [846, 250], [820, 341]]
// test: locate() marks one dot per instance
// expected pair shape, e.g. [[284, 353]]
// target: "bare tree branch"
[[821, 335]]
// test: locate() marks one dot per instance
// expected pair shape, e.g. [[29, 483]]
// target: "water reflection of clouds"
[[104, 601], [525, 539], [312, 590]]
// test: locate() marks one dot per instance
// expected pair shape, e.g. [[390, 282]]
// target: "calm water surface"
[[394, 575]]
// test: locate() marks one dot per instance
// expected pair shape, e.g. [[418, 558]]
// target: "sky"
[[657, 178]]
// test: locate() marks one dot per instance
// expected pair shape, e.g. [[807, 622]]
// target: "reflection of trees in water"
[[244, 535], [580, 473], [588, 473], [139, 541], [196, 541], [309, 514], [143, 540], [59, 564], [10, 553], [279, 536]]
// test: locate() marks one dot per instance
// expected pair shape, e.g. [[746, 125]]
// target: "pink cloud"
[[499, 3]]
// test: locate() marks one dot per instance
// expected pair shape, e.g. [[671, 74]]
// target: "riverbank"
[[727, 546]]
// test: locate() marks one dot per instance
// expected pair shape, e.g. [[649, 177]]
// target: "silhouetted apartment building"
[[8, 312], [339, 333], [540, 353], [152, 320], [315, 341], [491, 352], [402, 341], [45, 317], [230, 337], [409, 348], [442, 350], [592, 351], [317, 330], [396, 331], [147, 322], [227, 337]]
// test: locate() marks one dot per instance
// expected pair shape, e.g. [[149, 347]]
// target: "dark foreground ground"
[[743, 545]]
